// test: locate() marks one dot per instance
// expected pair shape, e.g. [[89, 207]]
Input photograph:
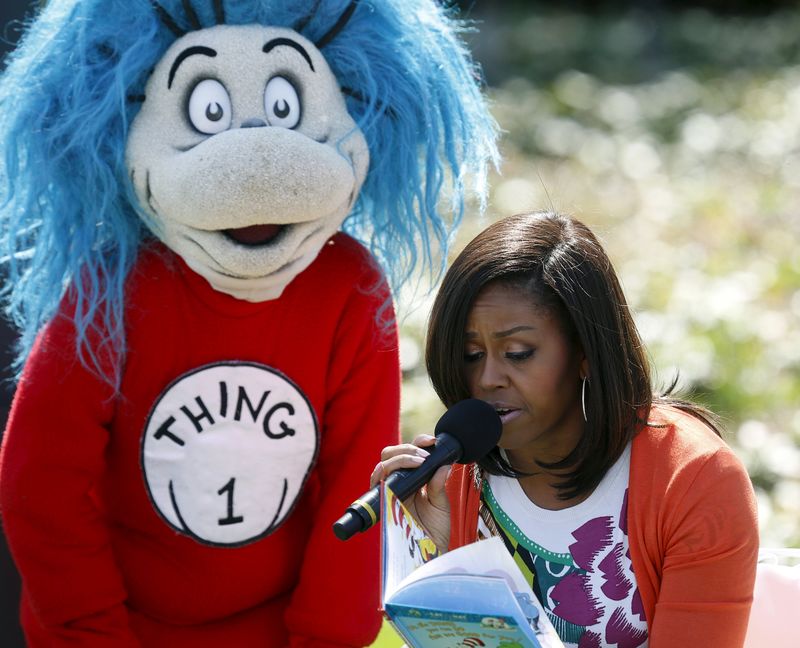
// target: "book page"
[[485, 557], [463, 591], [404, 544]]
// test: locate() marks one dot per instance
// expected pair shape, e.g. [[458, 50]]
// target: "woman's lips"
[[507, 414]]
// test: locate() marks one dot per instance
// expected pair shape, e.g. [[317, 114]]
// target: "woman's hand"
[[429, 505]]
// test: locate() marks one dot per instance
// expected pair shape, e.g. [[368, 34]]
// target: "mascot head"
[[241, 133], [245, 156]]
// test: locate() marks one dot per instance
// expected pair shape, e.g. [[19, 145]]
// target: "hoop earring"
[[583, 399]]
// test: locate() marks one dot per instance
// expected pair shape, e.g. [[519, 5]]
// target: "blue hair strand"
[[69, 223]]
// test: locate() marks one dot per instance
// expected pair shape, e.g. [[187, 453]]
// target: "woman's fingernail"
[[417, 459], [422, 452]]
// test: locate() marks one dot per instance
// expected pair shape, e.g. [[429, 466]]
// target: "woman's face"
[[519, 360]]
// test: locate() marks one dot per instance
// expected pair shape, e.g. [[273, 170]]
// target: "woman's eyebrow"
[[511, 331], [189, 51], [501, 334]]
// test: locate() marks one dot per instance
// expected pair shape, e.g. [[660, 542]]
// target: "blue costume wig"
[[75, 83]]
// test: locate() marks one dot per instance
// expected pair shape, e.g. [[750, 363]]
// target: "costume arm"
[[52, 458], [710, 562], [337, 600]]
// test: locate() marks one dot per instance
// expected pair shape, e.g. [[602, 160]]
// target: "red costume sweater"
[[194, 507], [692, 527]]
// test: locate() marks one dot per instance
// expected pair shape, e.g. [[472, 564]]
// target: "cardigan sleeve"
[[710, 553], [52, 457], [337, 600]]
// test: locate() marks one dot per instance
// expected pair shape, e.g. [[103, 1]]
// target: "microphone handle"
[[446, 451], [366, 510]]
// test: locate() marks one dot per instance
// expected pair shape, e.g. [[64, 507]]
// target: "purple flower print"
[[620, 633], [617, 584], [573, 601], [623, 514], [592, 538], [636, 605], [590, 640]]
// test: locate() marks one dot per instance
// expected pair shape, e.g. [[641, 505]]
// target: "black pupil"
[[281, 109], [214, 112]]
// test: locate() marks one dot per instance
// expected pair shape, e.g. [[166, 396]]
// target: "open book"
[[474, 596]]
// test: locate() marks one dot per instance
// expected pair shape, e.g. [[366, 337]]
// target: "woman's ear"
[[584, 367]]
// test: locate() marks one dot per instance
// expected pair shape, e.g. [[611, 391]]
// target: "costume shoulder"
[[344, 272], [347, 256]]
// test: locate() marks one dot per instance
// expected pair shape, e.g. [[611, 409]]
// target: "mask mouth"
[[255, 235]]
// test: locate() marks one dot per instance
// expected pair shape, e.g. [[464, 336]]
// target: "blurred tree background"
[[672, 128]]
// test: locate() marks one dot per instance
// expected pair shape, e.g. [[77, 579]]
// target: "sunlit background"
[[673, 130], [675, 134]]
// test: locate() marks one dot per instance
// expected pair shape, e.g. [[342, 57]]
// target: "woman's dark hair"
[[559, 262]]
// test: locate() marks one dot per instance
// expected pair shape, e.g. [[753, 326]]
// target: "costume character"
[[209, 366]]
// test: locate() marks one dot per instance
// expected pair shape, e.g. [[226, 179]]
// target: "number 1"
[[231, 518]]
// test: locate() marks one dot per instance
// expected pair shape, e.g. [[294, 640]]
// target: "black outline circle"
[[185, 530]]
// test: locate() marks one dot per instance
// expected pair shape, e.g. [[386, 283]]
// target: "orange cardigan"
[[692, 526]]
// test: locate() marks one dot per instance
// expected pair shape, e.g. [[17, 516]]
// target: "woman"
[[630, 516]]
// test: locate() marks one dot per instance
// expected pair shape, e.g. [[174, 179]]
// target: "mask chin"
[[253, 273]]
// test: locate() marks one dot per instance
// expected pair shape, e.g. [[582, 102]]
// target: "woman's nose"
[[493, 374]]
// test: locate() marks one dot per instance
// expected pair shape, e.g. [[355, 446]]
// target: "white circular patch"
[[226, 451]]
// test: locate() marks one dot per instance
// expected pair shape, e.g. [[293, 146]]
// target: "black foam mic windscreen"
[[465, 433], [475, 425]]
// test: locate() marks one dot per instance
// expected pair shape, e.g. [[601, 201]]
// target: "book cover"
[[474, 596]]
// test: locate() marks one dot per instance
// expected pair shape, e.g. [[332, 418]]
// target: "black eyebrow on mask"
[[189, 51], [277, 42]]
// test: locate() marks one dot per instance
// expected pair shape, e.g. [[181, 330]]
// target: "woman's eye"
[[210, 107], [518, 356], [281, 103], [472, 356]]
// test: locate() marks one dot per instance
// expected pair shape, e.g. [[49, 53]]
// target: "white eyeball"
[[281, 103], [210, 107]]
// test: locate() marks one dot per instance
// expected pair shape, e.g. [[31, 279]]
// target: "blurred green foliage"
[[676, 137]]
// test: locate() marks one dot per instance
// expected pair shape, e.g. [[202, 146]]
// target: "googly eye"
[[210, 107], [281, 103]]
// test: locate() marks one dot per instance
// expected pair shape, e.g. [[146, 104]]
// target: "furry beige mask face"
[[244, 156]]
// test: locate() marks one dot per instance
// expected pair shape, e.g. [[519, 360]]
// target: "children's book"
[[471, 597]]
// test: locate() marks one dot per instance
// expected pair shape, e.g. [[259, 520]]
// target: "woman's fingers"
[[403, 449], [429, 505], [405, 455], [386, 467], [435, 490], [424, 440]]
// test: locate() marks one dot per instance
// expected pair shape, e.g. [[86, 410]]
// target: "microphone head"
[[475, 425]]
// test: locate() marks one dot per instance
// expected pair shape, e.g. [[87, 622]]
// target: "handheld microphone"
[[465, 433]]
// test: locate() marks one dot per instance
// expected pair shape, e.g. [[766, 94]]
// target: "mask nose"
[[253, 123]]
